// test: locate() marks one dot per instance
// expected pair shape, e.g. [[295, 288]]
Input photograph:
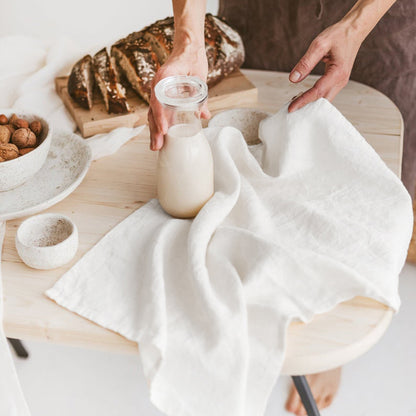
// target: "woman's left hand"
[[337, 46]]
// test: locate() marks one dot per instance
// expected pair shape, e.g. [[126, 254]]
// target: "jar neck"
[[182, 97], [181, 91], [180, 116]]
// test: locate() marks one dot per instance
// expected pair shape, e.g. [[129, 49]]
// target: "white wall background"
[[89, 23]]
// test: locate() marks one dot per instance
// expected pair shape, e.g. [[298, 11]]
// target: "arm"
[[188, 57], [337, 46]]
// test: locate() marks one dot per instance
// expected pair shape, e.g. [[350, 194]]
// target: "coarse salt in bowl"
[[47, 241]]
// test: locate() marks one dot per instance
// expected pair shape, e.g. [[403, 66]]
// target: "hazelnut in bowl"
[[25, 139]]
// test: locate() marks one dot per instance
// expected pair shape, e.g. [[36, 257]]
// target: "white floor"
[[69, 381]]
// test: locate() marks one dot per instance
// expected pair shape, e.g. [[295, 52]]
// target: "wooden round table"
[[116, 186]]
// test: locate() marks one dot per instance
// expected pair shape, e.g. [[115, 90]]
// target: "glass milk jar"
[[185, 169]]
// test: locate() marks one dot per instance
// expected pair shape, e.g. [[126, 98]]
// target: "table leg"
[[18, 347], [305, 394]]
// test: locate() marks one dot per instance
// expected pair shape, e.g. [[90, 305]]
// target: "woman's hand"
[[189, 60], [337, 46]]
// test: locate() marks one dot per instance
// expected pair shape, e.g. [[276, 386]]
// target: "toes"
[[295, 405], [327, 400], [324, 401], [301, 411], [320, 404], [293, 401]]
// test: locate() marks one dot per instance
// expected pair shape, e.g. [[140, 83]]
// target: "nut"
[[26, 150], [3, 119], [5, 135], [11, 128], [8, 151], [36, 127], [24, 138], [20, 123], [12, 119]]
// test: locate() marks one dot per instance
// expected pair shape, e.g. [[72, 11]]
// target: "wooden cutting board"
[[234, 90]]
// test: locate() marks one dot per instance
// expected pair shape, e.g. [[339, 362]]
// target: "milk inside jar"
[[185, 170]]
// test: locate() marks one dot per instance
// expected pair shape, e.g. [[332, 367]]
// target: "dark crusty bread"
[[107, 80], [138, 61], [81, 82], [160, 36], [224, 48], [139, 55]]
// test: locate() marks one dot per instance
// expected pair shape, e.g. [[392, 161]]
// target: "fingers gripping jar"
[[185, 169]]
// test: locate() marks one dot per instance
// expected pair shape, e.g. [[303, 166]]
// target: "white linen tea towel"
[[320, 220]]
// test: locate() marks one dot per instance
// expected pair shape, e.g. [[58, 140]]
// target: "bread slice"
[[224, 48], [111, 90], [81, 82], [138, 61], [160, 36]]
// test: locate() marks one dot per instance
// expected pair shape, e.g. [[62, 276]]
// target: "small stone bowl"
[[47, 241], [246, 120]]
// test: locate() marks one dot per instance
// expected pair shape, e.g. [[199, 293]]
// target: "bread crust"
[[81, 82], [224, 48]]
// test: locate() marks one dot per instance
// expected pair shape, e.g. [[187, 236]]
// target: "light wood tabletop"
[[117, 185]]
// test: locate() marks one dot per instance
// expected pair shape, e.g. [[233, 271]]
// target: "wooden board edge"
[[66, 100], [247, 95]]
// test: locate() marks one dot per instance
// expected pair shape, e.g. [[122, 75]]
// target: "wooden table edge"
[[316, 363]]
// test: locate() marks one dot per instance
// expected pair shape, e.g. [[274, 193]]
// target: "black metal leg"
[[305, 394], [18, 347]]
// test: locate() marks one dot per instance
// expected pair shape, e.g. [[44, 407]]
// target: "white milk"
[[185, 172]]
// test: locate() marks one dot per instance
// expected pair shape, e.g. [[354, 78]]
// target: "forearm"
[[188, 57], [189, 24], [365, 14]]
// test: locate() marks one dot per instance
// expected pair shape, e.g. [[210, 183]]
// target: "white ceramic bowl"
[[246, 120], [47, 241], [15, 172]]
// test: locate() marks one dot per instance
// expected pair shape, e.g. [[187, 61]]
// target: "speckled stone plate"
[[67, 163]]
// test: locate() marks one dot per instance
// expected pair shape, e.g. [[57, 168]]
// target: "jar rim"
[[181, 92]]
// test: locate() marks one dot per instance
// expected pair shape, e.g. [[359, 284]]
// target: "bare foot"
[[324, 386]]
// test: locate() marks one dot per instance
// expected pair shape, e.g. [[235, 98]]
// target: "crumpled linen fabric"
[[314, 219]]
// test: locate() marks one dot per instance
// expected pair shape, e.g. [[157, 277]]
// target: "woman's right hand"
[[187, 61]]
